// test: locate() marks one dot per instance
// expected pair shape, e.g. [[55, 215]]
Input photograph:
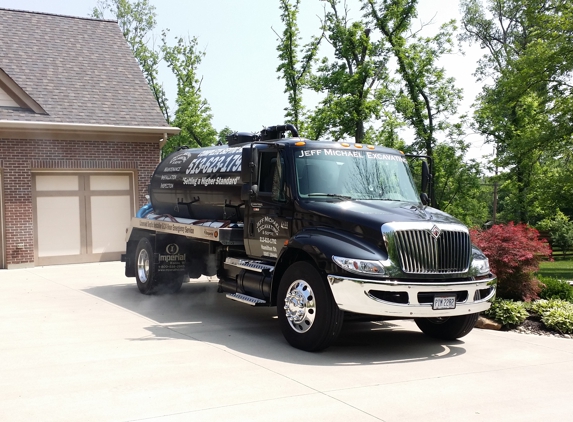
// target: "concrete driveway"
[[80, 343]]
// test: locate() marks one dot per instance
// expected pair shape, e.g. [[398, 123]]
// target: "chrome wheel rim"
[[143, 266], [300, 306]]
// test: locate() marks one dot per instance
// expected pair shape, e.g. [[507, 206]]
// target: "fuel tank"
[[201, 183]]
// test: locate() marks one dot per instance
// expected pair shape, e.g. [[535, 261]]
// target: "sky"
[[239, 70]]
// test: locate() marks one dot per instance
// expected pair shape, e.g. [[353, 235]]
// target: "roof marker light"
[[300, 143], [358, 145], [344, 144], [370, 146]]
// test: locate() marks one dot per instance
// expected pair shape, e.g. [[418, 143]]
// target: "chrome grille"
[[420, 252]]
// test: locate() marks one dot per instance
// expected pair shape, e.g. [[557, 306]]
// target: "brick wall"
[[20, 156]]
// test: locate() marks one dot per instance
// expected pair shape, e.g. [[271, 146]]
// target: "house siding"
[[20, 157]]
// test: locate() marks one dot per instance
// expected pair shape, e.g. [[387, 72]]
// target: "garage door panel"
[[59, 230], [57, 183], [112, 182], [108, 234]]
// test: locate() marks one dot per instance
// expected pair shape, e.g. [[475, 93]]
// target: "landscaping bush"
[[559, 318], [561, 230], [540, 306], [514, 252], [556, 314], [555, 289], [507, 312]]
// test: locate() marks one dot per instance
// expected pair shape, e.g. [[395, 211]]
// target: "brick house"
[[80, 135]]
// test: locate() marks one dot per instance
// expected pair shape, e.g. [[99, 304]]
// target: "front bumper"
[[363, 296]]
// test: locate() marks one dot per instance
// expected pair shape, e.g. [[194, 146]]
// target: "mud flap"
[[171, 256]]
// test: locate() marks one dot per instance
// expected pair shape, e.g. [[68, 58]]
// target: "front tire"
[[449, 328], [309, 318]]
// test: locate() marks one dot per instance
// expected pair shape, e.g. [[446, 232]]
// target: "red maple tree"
[[514, 252]]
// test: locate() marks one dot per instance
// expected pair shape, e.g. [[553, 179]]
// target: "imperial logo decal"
[[172, 254], [435, 230], [172, 248]]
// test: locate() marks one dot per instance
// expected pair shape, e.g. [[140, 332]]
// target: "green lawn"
[[560, 268]]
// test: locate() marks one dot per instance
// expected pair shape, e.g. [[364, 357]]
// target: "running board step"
[[239, 297], [249, 264]]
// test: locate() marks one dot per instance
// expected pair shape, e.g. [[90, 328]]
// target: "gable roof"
[[78, 70], [17, 95]]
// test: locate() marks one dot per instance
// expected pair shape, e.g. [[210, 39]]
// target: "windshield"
[[351, 174]]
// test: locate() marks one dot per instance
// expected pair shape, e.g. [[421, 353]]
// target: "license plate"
[[444, 302]]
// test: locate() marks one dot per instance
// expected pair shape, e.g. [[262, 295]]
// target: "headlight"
[[480, 263], [360, 266]]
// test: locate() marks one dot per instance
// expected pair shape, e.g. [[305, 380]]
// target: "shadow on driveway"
[[199, 313]]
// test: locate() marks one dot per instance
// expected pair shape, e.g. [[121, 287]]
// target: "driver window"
[[271, 176]]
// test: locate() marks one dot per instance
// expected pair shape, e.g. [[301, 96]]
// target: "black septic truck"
[[317, 229]]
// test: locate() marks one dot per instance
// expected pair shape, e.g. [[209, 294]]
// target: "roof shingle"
[[79, 70]]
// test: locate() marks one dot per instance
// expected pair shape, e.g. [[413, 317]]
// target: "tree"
[[552, 185], [561, 230], [222, 136], [525, 110], [193, 114], [137, 20], [514, 252], [294, 71], [425, 97], [458, 183], [351, 79]]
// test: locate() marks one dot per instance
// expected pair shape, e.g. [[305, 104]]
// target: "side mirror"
[[249, 165], [249, 192], [425, 176], [254, 192]]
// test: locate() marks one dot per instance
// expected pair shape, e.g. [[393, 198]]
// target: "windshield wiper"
[[383, 199], [332, 195]]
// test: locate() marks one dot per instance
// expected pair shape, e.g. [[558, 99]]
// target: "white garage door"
[[81, 217]]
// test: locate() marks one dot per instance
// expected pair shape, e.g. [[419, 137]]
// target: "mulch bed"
[[532, 326]]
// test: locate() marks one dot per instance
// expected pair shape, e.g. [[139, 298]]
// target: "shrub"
[[507, 312], [555, 289], [540, 306], [559, 319], [561, 230], [514, 252], [557, 315]]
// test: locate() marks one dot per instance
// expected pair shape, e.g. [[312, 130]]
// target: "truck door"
[[269, 213]]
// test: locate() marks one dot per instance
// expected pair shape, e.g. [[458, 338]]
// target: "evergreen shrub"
[[555, 289]]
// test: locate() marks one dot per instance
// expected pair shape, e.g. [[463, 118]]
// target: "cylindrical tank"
[[199, 183]]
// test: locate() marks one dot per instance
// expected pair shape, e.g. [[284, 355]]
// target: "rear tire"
[[174, 285], [309, 318], [145, 273], [449, 328], [149, 281]]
